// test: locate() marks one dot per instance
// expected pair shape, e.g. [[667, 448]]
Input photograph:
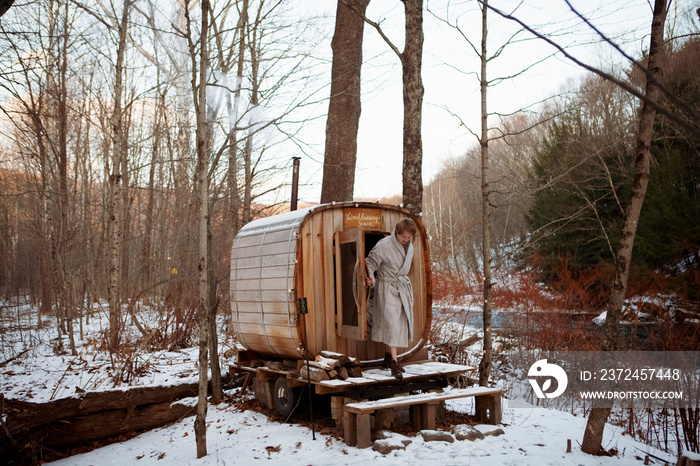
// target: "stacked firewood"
[[329, 365]]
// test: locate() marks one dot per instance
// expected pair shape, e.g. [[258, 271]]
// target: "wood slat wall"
[[318, 235]]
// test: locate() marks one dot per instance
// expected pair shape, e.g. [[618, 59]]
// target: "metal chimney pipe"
[[295, 183]]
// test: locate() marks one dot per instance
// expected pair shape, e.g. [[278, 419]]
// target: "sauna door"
[[351, 293]]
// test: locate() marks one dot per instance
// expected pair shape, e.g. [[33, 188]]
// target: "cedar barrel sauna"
[[314, 259], [315, 256]]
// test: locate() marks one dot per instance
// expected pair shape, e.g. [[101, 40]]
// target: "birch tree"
[[199, 68], [118, 164]]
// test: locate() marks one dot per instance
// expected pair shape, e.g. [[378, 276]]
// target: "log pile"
[[329, 365]]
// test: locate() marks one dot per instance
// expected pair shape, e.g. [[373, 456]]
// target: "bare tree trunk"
[[217, 391], [83, 234], [67, 302], [248, 166], [487, 358], [146, 251], [345, 103], [47, 289], [34, 110], [232, 175], [232, 182], [247, 177], [200, 97], [126, 284], [115, 185], [411, 63], [593, 436]]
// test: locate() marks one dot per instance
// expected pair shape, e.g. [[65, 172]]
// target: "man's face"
[[404, 237]]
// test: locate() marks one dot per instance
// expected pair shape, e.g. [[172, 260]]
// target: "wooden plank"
[[283, 352], [317, 318], [307, 280], [242, 308], [285, 330], [378, 375], [417, 414], [330, 225], [429, 411], [267, 260], [350, 428], [281, 295], [353, 346], [370, 406], [258, 342], [269, 330], [497, 413], [283, 283], [267, 319], [389, 220], [332, 386], [364, 439], [372, 376], [433, 367], [263, 250], [264, 272]]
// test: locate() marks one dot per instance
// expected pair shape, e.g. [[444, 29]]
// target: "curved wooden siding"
[[275, 261], [315, 233]]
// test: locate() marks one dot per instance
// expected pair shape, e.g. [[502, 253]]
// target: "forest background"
[[99, 180]]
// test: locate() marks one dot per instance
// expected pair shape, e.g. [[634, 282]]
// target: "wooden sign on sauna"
[[354, 217]]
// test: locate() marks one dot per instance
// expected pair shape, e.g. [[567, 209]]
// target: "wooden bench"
[[356, 422]]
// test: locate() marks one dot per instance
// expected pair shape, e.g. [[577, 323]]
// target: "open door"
[[351, 293]]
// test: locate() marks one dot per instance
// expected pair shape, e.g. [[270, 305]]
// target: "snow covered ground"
[[534, 436], [30, 369]]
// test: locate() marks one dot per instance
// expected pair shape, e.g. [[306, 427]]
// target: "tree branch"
[[690, 126], [672, 97], [377, 27]]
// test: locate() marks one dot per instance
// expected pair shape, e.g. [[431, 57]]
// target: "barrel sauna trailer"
[[314, 257], [307, 267]]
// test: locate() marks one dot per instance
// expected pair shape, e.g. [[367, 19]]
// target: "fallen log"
[[28, 428], [23, 415], [101, 424]]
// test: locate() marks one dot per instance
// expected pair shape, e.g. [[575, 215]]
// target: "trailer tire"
[[286, 397]]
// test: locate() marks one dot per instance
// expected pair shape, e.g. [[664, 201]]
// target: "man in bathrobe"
[[392, 315]]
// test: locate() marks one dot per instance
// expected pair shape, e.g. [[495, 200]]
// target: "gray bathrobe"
[[392, 312]]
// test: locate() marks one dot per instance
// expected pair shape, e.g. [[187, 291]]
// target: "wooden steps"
[[356, 417], [426, 370]]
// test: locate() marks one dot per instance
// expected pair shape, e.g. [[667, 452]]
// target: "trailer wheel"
[[286, 397]]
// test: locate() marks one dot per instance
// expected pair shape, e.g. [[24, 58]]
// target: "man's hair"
[[406, 224]]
